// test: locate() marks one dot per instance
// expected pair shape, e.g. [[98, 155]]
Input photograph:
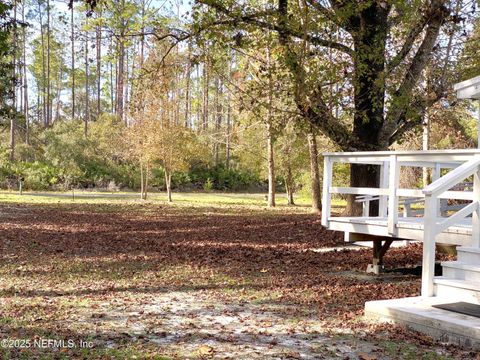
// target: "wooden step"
[[468, 255], [459, 290], [458, 270]]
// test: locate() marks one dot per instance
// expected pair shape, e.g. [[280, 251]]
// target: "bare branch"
[[401, 97]]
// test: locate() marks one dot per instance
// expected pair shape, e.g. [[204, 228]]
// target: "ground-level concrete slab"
[[418, 314]]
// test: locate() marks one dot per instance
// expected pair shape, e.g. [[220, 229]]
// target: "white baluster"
[[429, 233], [393, 182], [383, 202], [476, 213]]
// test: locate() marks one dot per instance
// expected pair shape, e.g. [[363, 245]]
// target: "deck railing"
[[464, 163], [432, 227]]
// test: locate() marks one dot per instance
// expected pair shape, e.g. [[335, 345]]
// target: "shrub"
[[208, 185]]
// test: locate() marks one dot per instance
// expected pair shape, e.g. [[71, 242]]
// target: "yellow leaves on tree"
[[154, 142], [156, 137]]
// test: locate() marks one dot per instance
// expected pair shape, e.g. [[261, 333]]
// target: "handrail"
[[419, 153], [431, 228], [459, 215], [453, 177]]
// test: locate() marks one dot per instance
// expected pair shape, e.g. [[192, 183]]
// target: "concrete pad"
[[418, 314]]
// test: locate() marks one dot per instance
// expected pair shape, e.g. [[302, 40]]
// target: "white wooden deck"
[[427, 217], [450, 169], [410, 228]]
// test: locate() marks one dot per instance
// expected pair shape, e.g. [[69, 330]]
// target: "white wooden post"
[[366, 206], [478, 126], [429, 233], [326, 196], [476, 213], [383, 202], [437, 173], [393, 182]]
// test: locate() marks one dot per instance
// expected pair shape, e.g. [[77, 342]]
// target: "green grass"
[[179, 198]]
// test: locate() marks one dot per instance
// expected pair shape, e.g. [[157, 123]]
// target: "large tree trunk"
[[314, 172], [369, 97], [362, 176]]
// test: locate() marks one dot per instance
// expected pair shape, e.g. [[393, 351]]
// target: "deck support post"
[[476, 213], [326, 196], [429, 233], [393, 181], [380, 248]]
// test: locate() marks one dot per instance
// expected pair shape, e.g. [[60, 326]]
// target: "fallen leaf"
[[205, 350], [365, 356]]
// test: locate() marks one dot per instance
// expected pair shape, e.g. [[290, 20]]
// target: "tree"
[[292, 157], [383, 48], [86, 118], [25, 79], [98, 45], [57, 68], [14, 85], [174, 146], [157, 136], [469, 64]]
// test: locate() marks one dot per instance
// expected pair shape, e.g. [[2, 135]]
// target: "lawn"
[[189, 199], [209, 276]]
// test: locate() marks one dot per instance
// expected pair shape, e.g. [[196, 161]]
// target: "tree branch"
[[401, 97], [330, 15], [413, 34], [253, 19]]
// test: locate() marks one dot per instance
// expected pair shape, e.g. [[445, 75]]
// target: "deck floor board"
[[462, 227]]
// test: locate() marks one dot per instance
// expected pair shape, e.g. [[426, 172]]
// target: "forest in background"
[[220, 95]]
